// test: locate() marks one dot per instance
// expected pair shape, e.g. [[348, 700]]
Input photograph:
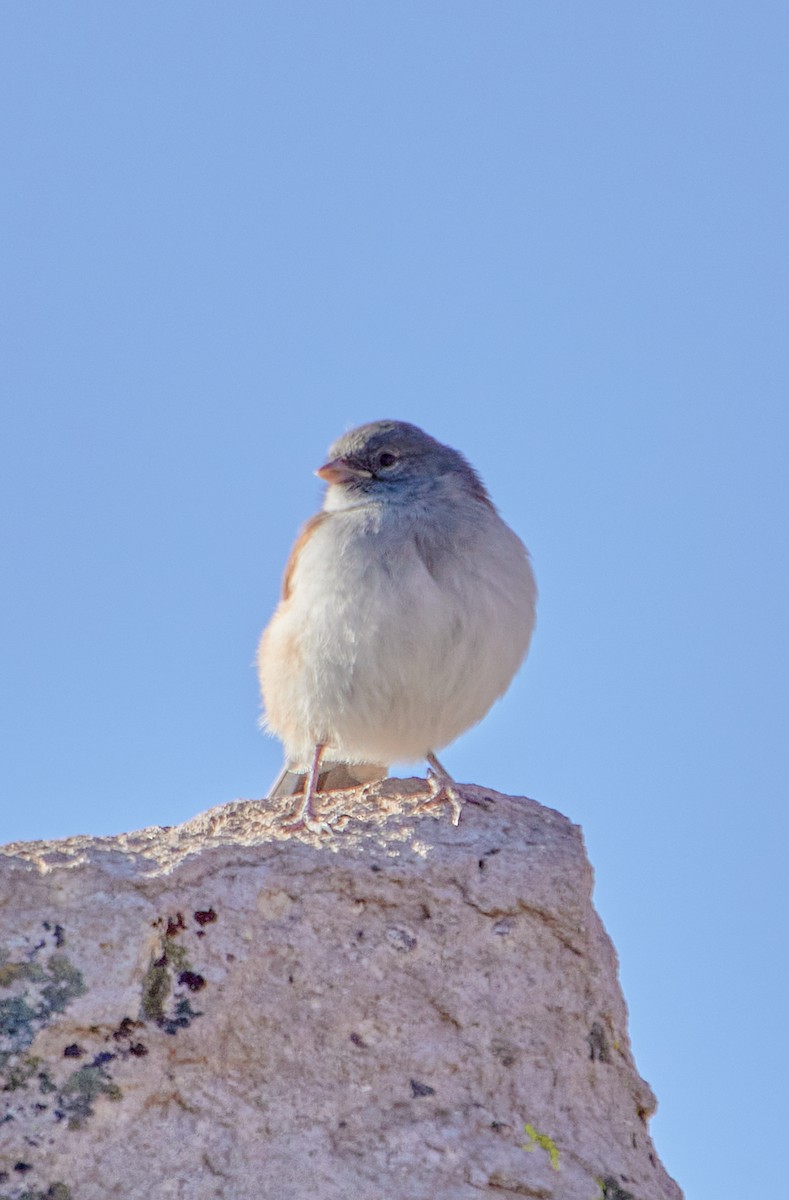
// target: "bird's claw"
[[306, 825], [306, 820], [443, 790]]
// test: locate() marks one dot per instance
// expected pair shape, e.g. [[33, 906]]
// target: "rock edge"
[[403, 1009]]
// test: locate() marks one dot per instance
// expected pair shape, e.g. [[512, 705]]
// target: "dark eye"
[[386, 459]]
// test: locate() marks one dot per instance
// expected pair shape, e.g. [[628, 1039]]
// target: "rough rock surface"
[[403, 1010]]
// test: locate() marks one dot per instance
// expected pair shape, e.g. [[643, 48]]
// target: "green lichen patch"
[[64, 984], [163, 998], [83, 1087], [55, 1191], [20, 1073], [541, 1141], [155, 990], [36, 985], [46, 1084], [170, 976], [38, 981], [42, 1098], [177, 957], [10, 972], [17, 1025]]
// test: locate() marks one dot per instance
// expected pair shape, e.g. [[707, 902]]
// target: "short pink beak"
[[340, 471]]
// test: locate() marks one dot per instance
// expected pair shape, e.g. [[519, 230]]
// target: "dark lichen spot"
[[23, 1167], [599, 1049], [421, 1089], [124, 1036], [610, 1190], [58, 933], [505, 1052], [73, 1051], [358, 1040], [191, 980], [205, 916], [182, 1018], [175, 925], [126, 1028], [57, 1191], [375, 868]]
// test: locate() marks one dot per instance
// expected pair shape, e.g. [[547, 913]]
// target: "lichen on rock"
[[403, 1008]]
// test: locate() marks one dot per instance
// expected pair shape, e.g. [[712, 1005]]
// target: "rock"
[[403, 1010]]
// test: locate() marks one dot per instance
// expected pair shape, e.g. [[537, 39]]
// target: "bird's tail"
[[337, 777]]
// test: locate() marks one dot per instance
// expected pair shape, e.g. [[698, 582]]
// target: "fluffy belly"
[[392, 668]]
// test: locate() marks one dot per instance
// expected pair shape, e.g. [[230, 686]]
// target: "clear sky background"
[[553, 234]]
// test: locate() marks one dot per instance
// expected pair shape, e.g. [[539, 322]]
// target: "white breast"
[[385, 653]]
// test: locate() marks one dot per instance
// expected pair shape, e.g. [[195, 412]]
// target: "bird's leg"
[[442, 788], [305, 816]]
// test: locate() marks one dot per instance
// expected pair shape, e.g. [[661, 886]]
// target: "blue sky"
[[555, 236]]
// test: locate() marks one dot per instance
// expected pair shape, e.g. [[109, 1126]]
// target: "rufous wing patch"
[[304, 536]]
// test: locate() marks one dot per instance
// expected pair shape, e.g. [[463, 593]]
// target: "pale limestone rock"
[[403, 1010]]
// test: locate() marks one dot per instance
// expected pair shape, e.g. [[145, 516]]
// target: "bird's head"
[[395, 461]]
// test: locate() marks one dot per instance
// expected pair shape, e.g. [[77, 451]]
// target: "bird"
[[407, 607]]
